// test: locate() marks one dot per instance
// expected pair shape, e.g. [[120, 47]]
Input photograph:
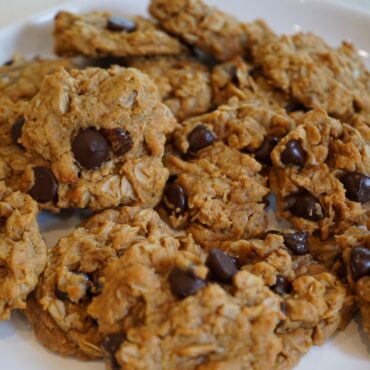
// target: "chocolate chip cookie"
[[74, 276], [207, 28], [101, 34], [356, 255], [316, 75], [184, 83], [22, 250], [102, 132]]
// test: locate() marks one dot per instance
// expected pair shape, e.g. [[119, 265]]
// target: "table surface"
[[13, 10]]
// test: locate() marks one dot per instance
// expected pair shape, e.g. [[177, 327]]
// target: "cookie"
[[207, 28], [102, 132], [21, 78], [318, 188], [22, 250], [316, 75], [356, 255], [101, 34], [183, 83]]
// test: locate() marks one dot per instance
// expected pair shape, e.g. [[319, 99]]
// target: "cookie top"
[[103, 134], [100, 34], [21, 78], [22, 250], [207, 28], [74, 276], [315, 74], [318, 188], [183, 83]]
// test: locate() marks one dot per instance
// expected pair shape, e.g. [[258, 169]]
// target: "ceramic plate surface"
[[347, 350]]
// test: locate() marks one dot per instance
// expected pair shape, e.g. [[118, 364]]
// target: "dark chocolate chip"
[[297, 242], [63, 296], [16, 130], [295, 106], [2, 221], [304, 205], [282, 286], [221, 266], [175, 198], [357, 186], [119, 140], [184, 283], [90, 148], [115, 23], [199, 138], [255, 72], [360, 262], [45, 187], [263, 153], [294, 154], [110, 345]]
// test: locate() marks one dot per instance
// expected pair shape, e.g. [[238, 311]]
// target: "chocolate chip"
[[297, 242], [119, 140], [175, 198], [294, 154], [263, 153], [115, 23], [199, 138], [184, 283], [63, 296], [255, 72], [304, 205], [110, 345], [221, 266], [16, 130], [295, 106], [45, 187], [283, 308], [282, 286], [357, 186], [90, 148], [360, 262]]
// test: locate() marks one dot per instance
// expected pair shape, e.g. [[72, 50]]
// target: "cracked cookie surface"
[[103, 133]]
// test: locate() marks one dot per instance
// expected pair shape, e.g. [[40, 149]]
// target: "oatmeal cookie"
[[74, 275], [321, 175], [22, 250], [103, 133], [213, 200], [356, 255], [316, 75], [183, 83], [207, 28], [100, 34], [21, 78]]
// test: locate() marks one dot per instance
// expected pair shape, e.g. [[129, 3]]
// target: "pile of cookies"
[[177, 133]]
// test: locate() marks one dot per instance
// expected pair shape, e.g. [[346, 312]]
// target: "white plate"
[[347, 350]]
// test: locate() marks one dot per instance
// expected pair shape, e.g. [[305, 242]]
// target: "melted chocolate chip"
[[294, 154], [115, 23], [119, 140], [297, 242], [184, 283], [90, 148], [360, 262], [221, 266], [63, 296], [357, 186], [199, 138], [45, 187], [16, 130], [282, 286], [110, 345], [175, 199], [304, 205], [263, 153]]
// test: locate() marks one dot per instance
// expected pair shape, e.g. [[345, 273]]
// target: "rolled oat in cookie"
[[74, 276], [321, 175], [183, 83], [102, 132], [101, 34], [314, 301], [355, 243], [207, 28], [22, 250], [315, 74]]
